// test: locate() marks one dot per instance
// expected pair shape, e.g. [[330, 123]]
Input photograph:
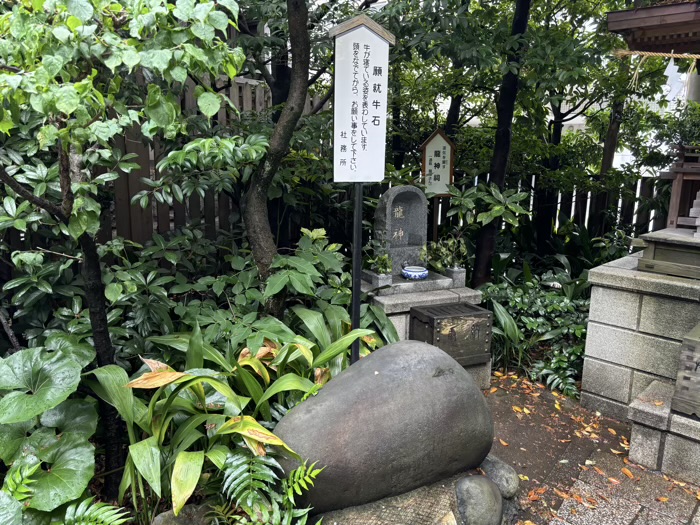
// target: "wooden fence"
[[131, 221]]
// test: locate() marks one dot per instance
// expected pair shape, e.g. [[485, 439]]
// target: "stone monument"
[[402, 216]]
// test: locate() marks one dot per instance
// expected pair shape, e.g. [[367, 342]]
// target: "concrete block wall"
[[636, 324]]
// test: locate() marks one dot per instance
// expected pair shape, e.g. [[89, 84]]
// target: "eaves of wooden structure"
[[664, 27]]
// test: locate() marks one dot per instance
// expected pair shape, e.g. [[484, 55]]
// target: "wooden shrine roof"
[[670, 26]]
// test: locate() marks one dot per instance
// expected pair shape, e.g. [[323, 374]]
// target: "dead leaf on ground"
[[618, 452], [612, 431], [662, 499], [614, 481], [627, 473], [505, 444]]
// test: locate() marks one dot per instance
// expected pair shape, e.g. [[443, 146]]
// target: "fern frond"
[[18, 481], [249, 480], [300, 480], [90, 513]]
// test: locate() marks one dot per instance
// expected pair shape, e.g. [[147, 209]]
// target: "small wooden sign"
[[438, 163], [360, 104]]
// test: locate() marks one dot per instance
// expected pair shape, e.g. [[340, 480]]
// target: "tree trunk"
[[255, 212], [505, 107], [545, 196], [109, 418], [599, 219]]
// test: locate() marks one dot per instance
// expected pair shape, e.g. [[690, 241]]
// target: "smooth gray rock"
[[502, 474], [479, 501], [405, 416], [189, 515]]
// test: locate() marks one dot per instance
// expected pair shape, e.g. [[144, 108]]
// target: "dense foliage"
[[147, 375]]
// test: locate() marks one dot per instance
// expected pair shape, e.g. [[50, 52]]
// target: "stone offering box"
[[687, 396], [461, 330]]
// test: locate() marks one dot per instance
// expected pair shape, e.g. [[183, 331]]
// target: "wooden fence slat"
[[141, 218], [122, 206], [210, 215], [224, 212], [162, 209]]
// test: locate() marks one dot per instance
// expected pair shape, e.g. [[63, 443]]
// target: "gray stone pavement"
[[574, 464]]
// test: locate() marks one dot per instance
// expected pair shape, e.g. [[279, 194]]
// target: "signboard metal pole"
[[359, 124], [356, 268]]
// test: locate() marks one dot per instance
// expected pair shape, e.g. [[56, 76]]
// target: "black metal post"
[[356, 269]]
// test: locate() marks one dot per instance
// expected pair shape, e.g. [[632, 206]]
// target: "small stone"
[[189, 515], [479, 501], [502, 474]]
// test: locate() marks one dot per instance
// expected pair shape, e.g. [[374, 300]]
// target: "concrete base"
[[637, 322], [663, 440], [397, 307]]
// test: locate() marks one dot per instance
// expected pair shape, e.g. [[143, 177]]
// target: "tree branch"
[[319, 105], [28, 195], [7, 326], [318, 74], [64, 173]]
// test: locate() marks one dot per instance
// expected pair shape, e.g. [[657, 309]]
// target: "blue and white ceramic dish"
[[414, 273]]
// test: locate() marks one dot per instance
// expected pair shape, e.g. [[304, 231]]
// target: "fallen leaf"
[[662, 499], [561, 494], [659, 403], [523, 477], [599, 471], [592, 501], [517, 409], [503, 442], [493, 390], [612, 431], [498, 374], [557, 406], [627, 473], [526, 411], [564, 441], [618, 452], [614, 481]]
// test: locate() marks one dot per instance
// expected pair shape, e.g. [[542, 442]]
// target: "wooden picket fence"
[[214, 212]]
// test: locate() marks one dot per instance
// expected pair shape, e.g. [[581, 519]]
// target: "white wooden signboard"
[[438, 163], [360, 103]]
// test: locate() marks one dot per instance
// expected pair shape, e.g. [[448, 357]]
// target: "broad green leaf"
[[38, 381], [181, 342], [184, 9], [10, 510], [194, 357], [157, 59], [75, 416], [285, 383], [203, 31], [340, 346], [217, 455], [67, 99], [315, 324], [81, 9], [113, 380], [209, 103], [186, 473], [113, 291], [146, 457], [218, 19], [11, 438], [275, 284], [232, 6], [71, 346], [70, 465], [248, 427]]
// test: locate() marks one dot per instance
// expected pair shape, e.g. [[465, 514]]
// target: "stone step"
[[684, 221], [694, 212]]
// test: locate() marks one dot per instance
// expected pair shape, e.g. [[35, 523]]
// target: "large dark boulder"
[[405, 416]]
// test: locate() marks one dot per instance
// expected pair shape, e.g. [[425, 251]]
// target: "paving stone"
[[618, 512], [643, 490], [401, 303], [645, 447], [668, 317], [607, 380], [634, 350], [623, 275], [648, 517], [614, 307], [653, 406], [682, 459], [607, 407]]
